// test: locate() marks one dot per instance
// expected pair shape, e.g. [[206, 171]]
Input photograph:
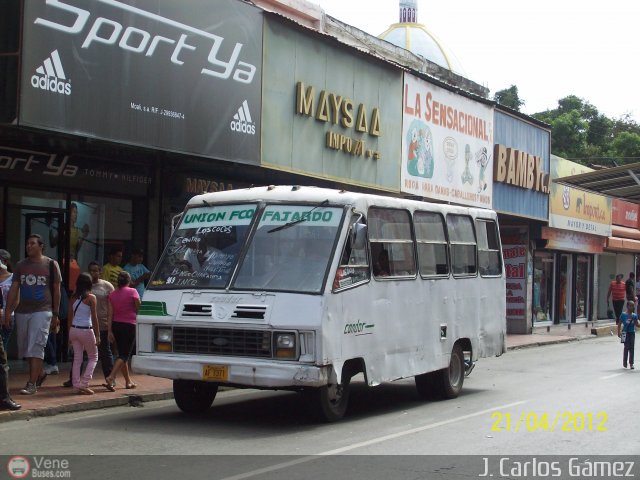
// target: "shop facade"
[[105, 137], [579, 225], [521, 153], [104, 102]]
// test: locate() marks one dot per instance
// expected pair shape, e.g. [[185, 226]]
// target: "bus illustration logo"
[[242, 122], [18, 467], [50, 76]]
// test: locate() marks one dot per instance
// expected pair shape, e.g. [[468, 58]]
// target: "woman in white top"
[[82, 322]]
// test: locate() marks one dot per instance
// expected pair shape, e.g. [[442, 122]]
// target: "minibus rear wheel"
[[193, 396], [445, 383], [450, 379]]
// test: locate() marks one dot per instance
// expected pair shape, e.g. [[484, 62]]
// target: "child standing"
[[82, 321], [627, 327]]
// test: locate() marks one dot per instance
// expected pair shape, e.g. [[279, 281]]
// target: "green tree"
[[626, 146], [509, 98], [569, 135]]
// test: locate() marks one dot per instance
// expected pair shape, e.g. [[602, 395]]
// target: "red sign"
[[625, 213]]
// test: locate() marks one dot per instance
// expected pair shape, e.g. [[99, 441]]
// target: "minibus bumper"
[[240, 372]]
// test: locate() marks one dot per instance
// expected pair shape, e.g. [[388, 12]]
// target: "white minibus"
[[302, 288]]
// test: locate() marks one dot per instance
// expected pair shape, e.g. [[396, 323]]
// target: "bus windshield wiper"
[[304, 218]]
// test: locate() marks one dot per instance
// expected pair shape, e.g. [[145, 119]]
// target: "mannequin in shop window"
[[77, 237], [563, 296]]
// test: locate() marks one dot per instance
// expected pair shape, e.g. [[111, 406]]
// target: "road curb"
[[134, 400], [555, 341]]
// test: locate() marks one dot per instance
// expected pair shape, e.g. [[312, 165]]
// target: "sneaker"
[[631, 367], [29, 389], [68, 384], [51, 369]]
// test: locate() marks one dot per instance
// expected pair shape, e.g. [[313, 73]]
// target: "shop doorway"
[[564, 286], [583, 281], [543, 291]]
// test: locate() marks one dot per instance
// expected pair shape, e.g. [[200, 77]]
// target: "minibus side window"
[[391, 241], [354, 263], [431, 239], [463, 245], [489, 261]]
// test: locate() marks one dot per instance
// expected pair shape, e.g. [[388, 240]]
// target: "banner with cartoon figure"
[[447, 145]]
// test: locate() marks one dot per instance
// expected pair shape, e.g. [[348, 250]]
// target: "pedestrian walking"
[[627, 333], [617, 293], [6, 402], [82, 322], [138, 271], [124, 303], [5, 285], [112, 268], [35, 297], [102, 289]]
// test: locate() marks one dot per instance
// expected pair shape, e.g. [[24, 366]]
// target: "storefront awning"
[[619, 244], [625, 232], [622, 182]]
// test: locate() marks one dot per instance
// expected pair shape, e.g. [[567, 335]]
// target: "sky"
[[548, 48]]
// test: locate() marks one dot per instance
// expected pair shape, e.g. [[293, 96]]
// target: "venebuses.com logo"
[[18, 467], [39, 467]]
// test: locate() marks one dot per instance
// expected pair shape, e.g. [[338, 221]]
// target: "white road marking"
[[384, 438], [611, 376]]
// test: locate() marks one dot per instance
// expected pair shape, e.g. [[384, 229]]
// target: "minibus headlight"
[[164, 339], [285, 345]]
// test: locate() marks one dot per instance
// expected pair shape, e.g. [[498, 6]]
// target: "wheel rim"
[[456, 371], [334, 394]]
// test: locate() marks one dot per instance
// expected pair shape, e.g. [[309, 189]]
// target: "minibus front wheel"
[[193, 396], [329, 402]]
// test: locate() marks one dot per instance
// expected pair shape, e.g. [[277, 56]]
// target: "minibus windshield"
[[204, 249], [291, 249]]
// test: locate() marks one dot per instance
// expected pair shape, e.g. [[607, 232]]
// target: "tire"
[[425, 385], [450, 379], [329, 403], [193, 396]]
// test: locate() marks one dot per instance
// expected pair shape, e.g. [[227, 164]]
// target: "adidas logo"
[[50, 76], [242, 122]]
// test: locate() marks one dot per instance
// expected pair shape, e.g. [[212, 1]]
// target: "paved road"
[[579, 390]]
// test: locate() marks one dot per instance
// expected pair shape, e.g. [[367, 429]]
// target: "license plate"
[[219, 373]]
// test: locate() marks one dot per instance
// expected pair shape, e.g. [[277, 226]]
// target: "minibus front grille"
[[221, 341]]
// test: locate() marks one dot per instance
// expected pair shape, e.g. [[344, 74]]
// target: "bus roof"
[[304, 194]]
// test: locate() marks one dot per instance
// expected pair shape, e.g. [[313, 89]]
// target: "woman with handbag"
[[82, 323], [627, 333]]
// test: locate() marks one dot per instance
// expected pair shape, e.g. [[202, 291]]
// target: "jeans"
[[105, 356], [50, 350], [83, 340], [629, 347], [4, 374], [104, 353], [6, 336]]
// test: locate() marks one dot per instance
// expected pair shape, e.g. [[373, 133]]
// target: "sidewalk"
[[52, 398]]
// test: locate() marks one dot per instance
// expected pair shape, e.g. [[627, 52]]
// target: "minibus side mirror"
[[358, 236]]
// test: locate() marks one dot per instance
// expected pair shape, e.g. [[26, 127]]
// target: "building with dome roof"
[[415, 37]]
